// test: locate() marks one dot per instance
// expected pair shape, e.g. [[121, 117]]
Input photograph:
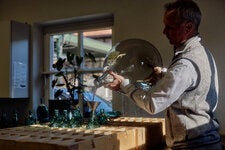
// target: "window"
[[96, 41]]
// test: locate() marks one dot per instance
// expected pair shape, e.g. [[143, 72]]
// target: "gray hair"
[[186, 10]]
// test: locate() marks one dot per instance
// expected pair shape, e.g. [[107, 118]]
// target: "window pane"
[[64, 43], [96, 43]]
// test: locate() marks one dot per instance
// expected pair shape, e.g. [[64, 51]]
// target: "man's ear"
[[189, 27]]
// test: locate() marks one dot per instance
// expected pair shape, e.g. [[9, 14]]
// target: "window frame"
[[80, 26]]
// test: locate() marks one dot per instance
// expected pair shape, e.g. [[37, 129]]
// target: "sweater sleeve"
[[179, 77]]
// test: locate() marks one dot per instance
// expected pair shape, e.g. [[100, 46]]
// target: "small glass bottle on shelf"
[[93, 120], [103, 120], [76, 120], [64, 120], [54, 122]]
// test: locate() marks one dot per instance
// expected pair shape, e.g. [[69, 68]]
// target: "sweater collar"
[[190, 43]]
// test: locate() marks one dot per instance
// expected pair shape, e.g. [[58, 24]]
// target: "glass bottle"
[[30, 120], [42, 113], [93, 120], [4, 120], [15, 119], [103, 120], [54, 122], [64, 119], [77, 119]]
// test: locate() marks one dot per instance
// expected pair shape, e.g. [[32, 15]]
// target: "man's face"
[[174, 31]]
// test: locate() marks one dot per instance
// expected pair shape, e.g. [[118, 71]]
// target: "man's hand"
[[158, 70], [115, 84], [156, 75]]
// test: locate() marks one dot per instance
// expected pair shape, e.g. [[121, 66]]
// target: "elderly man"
[[189, 89]]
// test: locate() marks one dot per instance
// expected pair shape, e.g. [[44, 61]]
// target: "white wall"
[[133, 19]]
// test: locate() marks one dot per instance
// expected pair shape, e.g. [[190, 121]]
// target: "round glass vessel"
[[132, 58]]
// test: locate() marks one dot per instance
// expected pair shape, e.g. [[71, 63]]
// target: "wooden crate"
[[39, 137], [154, 129]]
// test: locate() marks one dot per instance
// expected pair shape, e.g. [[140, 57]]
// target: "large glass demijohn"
[[132, 58]]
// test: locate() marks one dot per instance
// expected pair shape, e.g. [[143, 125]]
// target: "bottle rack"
[[39, 137], [120, 133], [154, 129]]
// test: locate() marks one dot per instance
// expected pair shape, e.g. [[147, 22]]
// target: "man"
[[189, 89]]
